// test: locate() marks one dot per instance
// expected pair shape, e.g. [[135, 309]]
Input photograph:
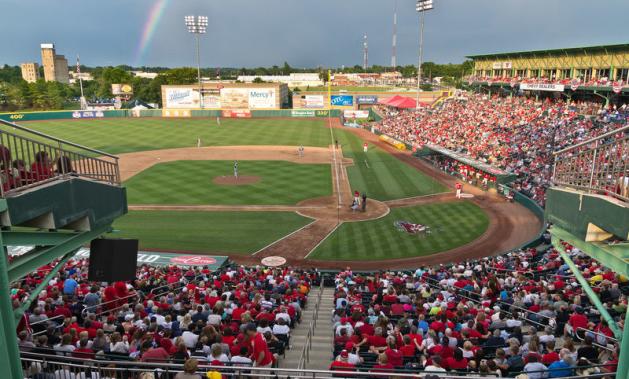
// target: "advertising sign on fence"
[[262, 98], [342, 100], [302, 113], [366, 99], [181, 98], [176, 113], [237, 113], [542, 87], [88, 114], [352, 114], [235, 98], [313, 101], [118, 89]]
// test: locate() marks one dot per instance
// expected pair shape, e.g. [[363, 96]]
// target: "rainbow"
[[148, 31]]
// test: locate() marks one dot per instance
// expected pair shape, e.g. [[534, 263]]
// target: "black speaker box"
[[113, 260]]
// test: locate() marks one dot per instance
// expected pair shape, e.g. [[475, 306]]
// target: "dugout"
[[468, 169]]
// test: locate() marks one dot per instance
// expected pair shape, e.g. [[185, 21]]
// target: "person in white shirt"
[[280, 327], [118, 344], [189, 338], [282, 314], [241, 359], [435, 366]]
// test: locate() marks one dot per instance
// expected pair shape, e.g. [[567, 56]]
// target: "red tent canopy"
[[389, 100], [401, 102]]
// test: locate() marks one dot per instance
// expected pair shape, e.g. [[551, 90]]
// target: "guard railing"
[[29, 158], [599, 165]]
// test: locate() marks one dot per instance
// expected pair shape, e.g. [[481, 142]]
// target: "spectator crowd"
[[515, 134]]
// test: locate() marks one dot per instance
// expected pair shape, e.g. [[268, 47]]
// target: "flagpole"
[[78, 71]]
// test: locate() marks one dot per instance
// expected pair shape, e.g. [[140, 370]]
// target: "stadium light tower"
[[197, 25], [422, 7]]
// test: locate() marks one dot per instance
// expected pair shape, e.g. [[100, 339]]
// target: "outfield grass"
[[380, 174], [453, 224], [190, 182], [217, 232], [123, 135]]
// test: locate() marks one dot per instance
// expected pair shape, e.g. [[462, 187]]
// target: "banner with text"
[[302, 113], [366, 99], [352, 114], [262, 98], [542, 87], [237, 113], [342, 100], [181, 98]]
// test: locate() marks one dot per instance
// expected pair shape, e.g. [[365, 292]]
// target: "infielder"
[[365, 147], [235, 169], [300, 151], [459, 188]]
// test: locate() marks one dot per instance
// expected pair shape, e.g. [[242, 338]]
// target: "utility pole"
[[422, 7]]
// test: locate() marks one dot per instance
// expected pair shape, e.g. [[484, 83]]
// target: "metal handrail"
[[47, 136], [152, 292], [602, 136], [53, 362], [614, 340], [27, 162], [85, 309], [304, 357]]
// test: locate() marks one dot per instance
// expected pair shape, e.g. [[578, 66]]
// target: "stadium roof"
[[586, 49]]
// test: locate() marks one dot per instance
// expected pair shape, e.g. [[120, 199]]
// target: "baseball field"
[[184, 196]]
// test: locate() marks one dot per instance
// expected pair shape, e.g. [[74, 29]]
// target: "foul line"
[[336, 169], [367, 164], [323, 239], [286, 236]]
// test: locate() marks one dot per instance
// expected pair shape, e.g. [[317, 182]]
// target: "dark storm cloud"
[[304, 33]]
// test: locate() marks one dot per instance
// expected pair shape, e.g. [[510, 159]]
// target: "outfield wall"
[[78, 115]]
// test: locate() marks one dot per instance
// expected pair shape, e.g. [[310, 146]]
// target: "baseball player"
[[365, 147], [459, 188], [198, 141], [235, 169], [300, 151], [218, 120]]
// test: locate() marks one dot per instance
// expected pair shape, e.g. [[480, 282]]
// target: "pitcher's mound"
[[233, 181]]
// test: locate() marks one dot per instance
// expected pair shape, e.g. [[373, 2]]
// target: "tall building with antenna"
[[365, 53], [394, 50]]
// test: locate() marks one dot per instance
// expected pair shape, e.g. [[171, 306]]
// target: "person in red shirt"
[[261, 355], [456, 362], [151, 354], [551, 356], [578, 320], [408, 349], [83, 351], [341, 363]]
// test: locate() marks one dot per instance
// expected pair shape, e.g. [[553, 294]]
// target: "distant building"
[[146, 75], [30, 71], [293, 80], [55, 66]]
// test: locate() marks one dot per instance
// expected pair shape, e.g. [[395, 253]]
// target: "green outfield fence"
[[77, 115]]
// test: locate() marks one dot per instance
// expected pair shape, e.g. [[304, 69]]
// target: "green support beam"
[[606, 255], [44, 283], [9, 352], [586, 287], [35, 259], [31, 238]]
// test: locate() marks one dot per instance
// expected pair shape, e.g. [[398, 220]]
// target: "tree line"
[[17, 94]]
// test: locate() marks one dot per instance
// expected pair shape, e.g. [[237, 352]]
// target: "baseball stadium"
[[242, 228]]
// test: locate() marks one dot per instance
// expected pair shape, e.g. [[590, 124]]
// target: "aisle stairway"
[[321, 348]]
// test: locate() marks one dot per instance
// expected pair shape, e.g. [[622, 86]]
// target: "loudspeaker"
[[113, 260]]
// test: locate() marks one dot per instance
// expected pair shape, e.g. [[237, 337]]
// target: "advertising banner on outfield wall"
[[237, 113], [235, 98], [262, 98], [176, 113], [118, 89], [351, 114], [88, 114], [182, 98], [302, 113], [541, 87], [342, 100], [366, 99]]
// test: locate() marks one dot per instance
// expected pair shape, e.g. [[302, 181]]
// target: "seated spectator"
[[341, 363], [535, 369], [189, 370]]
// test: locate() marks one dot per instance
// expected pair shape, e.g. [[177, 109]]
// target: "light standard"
[[421, 7], [197, 25]]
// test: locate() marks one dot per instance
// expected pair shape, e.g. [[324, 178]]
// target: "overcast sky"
[[303, 33]]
